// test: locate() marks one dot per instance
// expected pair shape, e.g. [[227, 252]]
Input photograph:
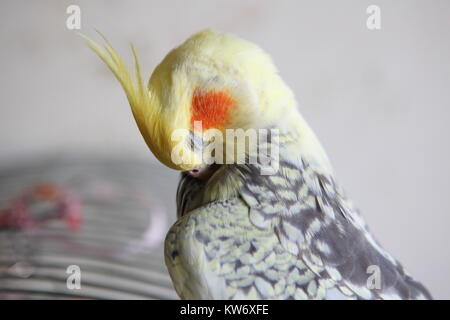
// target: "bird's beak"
[[203, 173]]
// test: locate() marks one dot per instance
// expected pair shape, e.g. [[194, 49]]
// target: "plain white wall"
[[378, 100]]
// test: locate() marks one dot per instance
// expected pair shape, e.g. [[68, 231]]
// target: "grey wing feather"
[[319, 225]]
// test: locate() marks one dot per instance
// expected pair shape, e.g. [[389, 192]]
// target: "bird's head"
[[212, 81]]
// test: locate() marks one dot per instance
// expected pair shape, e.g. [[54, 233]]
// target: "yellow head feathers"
[[215, 78]]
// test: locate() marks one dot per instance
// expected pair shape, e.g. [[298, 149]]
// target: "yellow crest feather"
[[142, 104]]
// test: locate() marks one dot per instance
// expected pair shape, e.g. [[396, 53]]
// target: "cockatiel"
[[242, 233]]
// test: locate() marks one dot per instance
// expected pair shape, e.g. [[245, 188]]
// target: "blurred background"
[[378, 100]]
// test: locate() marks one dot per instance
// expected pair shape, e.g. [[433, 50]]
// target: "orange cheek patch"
[[212, 108]]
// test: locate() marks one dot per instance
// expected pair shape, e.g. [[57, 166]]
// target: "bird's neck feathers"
[[303, 145], [298, 142], [298, 146]]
